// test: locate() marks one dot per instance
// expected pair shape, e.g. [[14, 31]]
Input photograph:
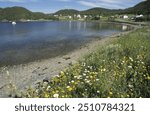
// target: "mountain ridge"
[[17, 13], [141, 8], [20, 13]]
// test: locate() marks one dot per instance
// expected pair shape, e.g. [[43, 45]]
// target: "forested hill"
[[67, 12], [141, 8], [18, 13]]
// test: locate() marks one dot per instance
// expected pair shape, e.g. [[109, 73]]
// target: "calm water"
[[30, 41]]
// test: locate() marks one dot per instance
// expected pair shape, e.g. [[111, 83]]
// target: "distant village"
[[136, 18]]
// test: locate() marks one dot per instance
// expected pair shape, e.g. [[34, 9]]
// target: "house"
[[139, 16], [125, 17], [79, 16], [70, 17], [85, 16]]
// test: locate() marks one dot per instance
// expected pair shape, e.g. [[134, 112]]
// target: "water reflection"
[[26, 42], [124, 27]]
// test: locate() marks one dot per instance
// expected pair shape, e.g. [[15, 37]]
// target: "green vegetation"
[[20, 13], [141, 8], [120, 68], [67, 12]]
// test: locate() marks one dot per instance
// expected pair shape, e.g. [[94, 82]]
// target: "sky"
[[51, 6]]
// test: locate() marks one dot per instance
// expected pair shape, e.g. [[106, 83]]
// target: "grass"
[[119, 69]]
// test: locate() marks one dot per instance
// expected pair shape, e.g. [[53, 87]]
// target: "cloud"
[[111, 4], [18, 0], [90, 4], [64, 0]]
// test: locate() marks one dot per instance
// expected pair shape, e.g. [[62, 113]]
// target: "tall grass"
[[117, 69]]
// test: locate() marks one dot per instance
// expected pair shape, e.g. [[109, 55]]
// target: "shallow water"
[[25, 42]]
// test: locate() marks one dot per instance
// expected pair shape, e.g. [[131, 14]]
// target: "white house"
[[85, 16], [125, 17], [139, 16], [78, 16], [70, 17]]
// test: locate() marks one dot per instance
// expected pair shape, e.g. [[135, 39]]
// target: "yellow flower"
[[56, 95], [69, 88], [148, 78], [62, 73], [110, 93], [46, 95]]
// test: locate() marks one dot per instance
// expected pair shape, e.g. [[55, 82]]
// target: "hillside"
[[15, 13], [141, 8], [95, 11], [18, 13], [67, 12]]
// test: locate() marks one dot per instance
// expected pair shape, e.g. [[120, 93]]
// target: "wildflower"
[[103, 70], [46, 95], [130, 67], [48, 87], [97, 79], [75, 77], [84, 74], [128, 96], [72, 81], [37, 91], [142, 63], [86, 71], [122, 96], [78, 77], [57, 76], [90, 67], [148, 78], [62, 73], [69, 88], [56, 95], [130, 58], [110, 93], [87, 77], [82, 82], [88, 81], [98, 91], [130, 86]]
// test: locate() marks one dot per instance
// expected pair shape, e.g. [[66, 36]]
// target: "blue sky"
[[50, 6]]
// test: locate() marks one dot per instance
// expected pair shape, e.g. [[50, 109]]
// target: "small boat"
[[13, 23]]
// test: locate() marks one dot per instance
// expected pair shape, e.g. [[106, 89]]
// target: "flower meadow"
[[118, 69]]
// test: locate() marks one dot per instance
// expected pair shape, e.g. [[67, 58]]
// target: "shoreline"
[[25, 75]]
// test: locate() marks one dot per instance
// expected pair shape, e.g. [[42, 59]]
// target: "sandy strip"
[[25, 75]]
